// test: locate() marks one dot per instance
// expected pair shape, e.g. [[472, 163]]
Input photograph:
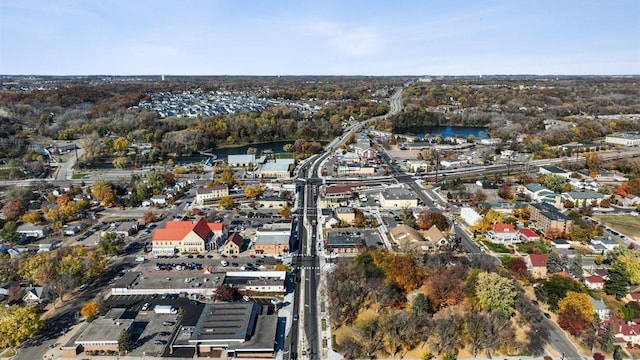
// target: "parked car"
[[146, 306]]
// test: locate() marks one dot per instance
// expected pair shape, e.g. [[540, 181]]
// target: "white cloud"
[[351, 41]]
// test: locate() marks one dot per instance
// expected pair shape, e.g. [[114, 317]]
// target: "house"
[[548, 219], [185, 237], [159, 199], [48, 244], [539, 193], [241, 160], [32, 231], [626, 333], [600, 308], [209, 194], [503, 233], [398, 198], [594, 282], [273, 239], [624, 139], [560, 244], [33, 295], [630, 200], [435, 237], [583, 199], [346, 215], [233, 244], [602, 244], [528, 235], [537, 265], [403, 234], [336, 195], [545, 170]]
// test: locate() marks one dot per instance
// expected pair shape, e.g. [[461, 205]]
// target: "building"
[[344, 241], [626, 333], [336, 195], [346, 215], [123, 229], [159, 199], [209, 194], [241, 160], [602, 244], [539, 193], [625, 139], [545, 170], [584, 198], [403, 234], [354, 169], [537, 265], [273, 239], [594, 282], [548, 219], [185, 237], [601, 309], [278, 169], [435, 238], [233, 245], [469, 215], [560, 244], [398, 198], [630, 200], [503, 233], [32, 231], [103, 333], [241, 329], [33, 295], [528, 235]]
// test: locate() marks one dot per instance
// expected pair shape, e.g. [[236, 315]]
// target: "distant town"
[[319, 217]]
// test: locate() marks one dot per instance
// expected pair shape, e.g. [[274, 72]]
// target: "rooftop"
[[398, 194], [104, 330], [555, 169], [550, 212], [627, 136], [226, 321]]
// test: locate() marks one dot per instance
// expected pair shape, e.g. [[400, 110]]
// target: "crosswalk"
[[308, 267]]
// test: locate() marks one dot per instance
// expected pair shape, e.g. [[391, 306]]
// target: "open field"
[[625, 224]]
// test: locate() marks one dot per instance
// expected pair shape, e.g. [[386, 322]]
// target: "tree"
[[109, 244], [120, 144], [157, 182], [148, 217], [554, 264], [618, 353], [125, 342], [554, 182], [421, 305], [606, 338], [371, 338], [226, 202], [518, 267], [446, 330], [121, 162], [592, 161], [555, 288], [631, 261], [287, 147], [618, 281], [496, 293], [18, 324], [32, 217], [575, 311], [103, 191], [226, 177], [89, 311], [475, 331], [426, 219], [9, 232], [252, 192]]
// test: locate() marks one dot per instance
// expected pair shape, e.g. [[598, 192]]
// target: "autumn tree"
[[252, 192], [555, 288], [575, 311], [285, 212], [446, 330], [18, 324], [103, 191], [368, 331], [518, 267], [32, 217], [226, 202], [120, 144], [89, 311], [148, 217], [426, 219], [496, 293]]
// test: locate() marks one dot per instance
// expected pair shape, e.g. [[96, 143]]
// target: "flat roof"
[[226, 321], [398, 194], [241, 158], [104, 330], [549, 211], [626, 136], [272, 238]]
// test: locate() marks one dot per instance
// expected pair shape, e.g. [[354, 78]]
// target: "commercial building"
[[625, 139], [398, 198], [103, 333], [273, 239], [344, 241], [336, 195], [346, 215], [185, 237], [208, 194], [548, 219], [278, 169], [242, 160]]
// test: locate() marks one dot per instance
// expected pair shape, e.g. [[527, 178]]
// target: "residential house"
[[560, 244], [601, 309], [233, 245], [548, 219], [527, 235], [435, 238], [537, 265], [33, 295], [398, 198], [48, 244], [273, 239], [403, 234], [159, 199], [594, 282], [503, 233], [32, 231], [626, 333], [630, 200], [602, 244], [346, 215], [209, 194], [185, 237]]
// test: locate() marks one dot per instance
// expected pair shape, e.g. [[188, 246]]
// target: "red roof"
[[216, 226], [177, 230], [538, 260], [635, 296], [622, 328], [594, 279], [529, 233], [236, 239], [503, 228]]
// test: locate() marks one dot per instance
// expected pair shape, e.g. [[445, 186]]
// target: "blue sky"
[[422, 37]]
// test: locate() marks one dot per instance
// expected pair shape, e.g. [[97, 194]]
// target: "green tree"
[[618, 353], [496, 293], [618, 281], [554, 182], [125, 342], [606, 338], [121, 162], [109, 244], [157, 182], [9, 232], [555, 288], [421, 305], [18, 324]]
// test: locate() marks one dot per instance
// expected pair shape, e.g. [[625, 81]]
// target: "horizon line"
[[317, 75]]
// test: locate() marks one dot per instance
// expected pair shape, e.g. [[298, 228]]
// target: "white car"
[[224, 263]]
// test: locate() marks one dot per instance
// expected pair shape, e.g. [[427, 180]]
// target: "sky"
[[332, 37]]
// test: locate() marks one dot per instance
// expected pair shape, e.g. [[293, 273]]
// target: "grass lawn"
[[79, 176], [498, 248], [626, 224], [533, 247], [286, 155]]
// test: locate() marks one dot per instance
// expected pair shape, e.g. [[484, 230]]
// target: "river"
[[451, 131]]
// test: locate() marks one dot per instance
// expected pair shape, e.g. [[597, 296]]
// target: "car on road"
[[224, 263], [167, 323], [159, 342], [547, 315], [295, 317], [82, 287]]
